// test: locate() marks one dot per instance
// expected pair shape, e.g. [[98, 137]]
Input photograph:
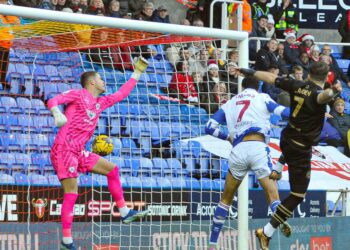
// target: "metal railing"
[[224, 19], [343, 198]]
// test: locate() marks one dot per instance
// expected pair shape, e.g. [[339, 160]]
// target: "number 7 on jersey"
[[245, 104]]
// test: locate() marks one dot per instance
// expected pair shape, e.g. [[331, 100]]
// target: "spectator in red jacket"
[[182, 83]]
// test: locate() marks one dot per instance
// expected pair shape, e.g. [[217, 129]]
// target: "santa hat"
[[289, 33], [306, 37]]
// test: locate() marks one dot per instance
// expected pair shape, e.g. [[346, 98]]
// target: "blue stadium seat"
[[26, 123], [87, 181], [206, 183], [53, 180], [218, 184], [102, 126], [6, 161], [160, 166], [15, 82], [50, 89], [130, 148], [40, 160], [101, 179], [178, 183], [219, 167], [40, 107], [117, 146], [21, 179], [163, 182], [10, 104], [42, 124], [38, 180], [51, 70], [26, 105], [164, 132], [22, 68], [330, 206], [126, 169], [115, 128], [21, 163], [343, 64], [63, 87], [64, 72], [149, 182], [146, 167], [42, 142], [192, 183], [175, 165], [134, 182], [117, 161], [6, 179]]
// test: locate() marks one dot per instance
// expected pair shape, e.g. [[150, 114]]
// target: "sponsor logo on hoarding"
[[39, 206], [167, 210], [321, 243], [22, 241], [55, 208], [299, 246], [98, 208], [7, 207]]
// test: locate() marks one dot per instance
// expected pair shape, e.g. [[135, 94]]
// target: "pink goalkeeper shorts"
[[68, 164]]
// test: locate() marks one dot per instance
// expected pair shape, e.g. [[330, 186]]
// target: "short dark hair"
[[263, 16], [319, 71], [250, 82], [86, 76], [273, 66]]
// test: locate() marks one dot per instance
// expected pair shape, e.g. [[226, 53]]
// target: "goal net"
[[166, 162]]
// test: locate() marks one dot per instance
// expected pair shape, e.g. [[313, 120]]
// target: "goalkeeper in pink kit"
[[77, 126]]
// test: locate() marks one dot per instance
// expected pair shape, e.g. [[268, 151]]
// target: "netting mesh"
[[162, 168]]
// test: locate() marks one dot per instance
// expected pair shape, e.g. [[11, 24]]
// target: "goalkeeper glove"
[[140, 65], [59, 118], [247, 72]]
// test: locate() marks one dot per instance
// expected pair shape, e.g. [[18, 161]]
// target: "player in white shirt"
[[247, 116]]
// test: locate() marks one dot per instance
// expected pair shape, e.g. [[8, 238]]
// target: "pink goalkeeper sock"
[[67, 213], [115, 187]]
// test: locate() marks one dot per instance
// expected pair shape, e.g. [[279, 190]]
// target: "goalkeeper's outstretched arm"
[[140, 65]]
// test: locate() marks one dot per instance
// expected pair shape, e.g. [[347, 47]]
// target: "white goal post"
[[242, 37]]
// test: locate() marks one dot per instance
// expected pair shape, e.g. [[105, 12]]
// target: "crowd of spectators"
[[131, 9]]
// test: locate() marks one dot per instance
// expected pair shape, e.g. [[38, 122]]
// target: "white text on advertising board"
[[7, 207]]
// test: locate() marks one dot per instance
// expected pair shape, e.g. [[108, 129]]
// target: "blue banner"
[[204, 203]]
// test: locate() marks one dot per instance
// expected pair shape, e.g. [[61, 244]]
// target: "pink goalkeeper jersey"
[[82, 112]]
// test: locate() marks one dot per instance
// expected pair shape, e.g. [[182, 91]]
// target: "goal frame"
[[175, 29]]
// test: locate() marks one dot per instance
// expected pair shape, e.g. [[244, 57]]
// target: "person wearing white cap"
[[270, 27], [291, 50]]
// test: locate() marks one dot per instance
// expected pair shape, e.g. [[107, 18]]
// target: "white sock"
[[124, 211], [67, 240], [269, 230], [278, 167]]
